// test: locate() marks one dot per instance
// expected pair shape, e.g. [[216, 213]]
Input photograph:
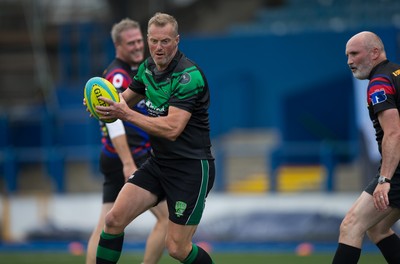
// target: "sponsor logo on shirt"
[[396, 73]]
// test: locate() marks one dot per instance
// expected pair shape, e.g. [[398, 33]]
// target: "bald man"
[[378, 207]]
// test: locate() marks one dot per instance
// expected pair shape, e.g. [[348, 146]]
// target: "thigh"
[[388, 222], [384, 228], [180, 234], [186, 184], [160, 211], [363, 214], [131, 202]]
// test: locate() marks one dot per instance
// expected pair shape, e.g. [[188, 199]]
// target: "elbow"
[[173, 134], [172, 138], [393, 136]]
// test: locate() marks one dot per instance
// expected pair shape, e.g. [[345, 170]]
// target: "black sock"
[[109, 248], [390, 248], [198, 256], [346, 254]]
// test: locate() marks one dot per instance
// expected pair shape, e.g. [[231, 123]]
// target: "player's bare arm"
[[169, 127], [390, 122], [120, 144], [131, 97]]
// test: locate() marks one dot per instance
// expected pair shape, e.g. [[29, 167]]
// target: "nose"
[[349, 60], [158, 46]]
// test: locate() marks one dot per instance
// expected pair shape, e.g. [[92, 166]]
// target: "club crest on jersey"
[[378, 97], [185, 78], [118, 80], [180, 207]]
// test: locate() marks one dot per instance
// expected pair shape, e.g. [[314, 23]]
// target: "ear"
[[375, 53]]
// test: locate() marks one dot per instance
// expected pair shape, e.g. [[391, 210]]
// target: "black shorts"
[[114, 179], [184, 183], [394, 193]]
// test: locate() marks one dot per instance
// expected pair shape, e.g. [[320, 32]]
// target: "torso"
[[184, 86]]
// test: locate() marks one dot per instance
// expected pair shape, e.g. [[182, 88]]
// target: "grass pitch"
[[219, 258]]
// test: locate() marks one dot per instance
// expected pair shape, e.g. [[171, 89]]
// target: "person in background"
[[125, 146], [181, 166], [378, 207]]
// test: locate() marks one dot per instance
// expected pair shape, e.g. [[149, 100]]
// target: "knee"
[[372, 236], [113, 222], [177, 250], [347, 225], [376, 234]]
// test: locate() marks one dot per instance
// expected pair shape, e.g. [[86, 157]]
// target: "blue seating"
[[322, 15]]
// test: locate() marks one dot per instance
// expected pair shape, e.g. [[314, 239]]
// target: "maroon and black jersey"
[[382, 94], [120, 74]]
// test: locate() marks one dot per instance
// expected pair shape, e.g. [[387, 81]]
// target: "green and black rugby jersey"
[[181, 85]]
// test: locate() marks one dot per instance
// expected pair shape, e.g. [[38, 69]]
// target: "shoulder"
[[183, 62], [119, 74], [188, 70]]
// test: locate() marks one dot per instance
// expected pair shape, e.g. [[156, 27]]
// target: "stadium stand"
[[296, 16], [40, 110]]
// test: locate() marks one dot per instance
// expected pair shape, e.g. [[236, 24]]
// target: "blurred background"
[[290, 131]]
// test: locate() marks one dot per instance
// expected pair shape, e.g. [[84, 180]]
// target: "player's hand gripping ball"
[[96, 87]]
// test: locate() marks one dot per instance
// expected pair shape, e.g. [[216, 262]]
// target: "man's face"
[[131, 47], [359, 58], [163, 44]]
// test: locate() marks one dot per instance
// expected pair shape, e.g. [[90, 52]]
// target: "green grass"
[[219, 258]]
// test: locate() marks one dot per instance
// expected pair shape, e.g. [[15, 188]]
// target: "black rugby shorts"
[[184, 183]]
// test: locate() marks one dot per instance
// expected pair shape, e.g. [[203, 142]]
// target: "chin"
[[359, 75]]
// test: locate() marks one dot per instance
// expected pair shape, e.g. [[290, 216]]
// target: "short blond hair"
[[162, 19], [121, 26]]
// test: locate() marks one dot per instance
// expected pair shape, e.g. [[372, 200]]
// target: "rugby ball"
[[96, 87]]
